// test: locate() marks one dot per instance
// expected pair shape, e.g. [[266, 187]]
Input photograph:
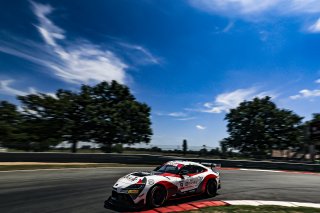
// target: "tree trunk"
[[74, 147], [108, 147]]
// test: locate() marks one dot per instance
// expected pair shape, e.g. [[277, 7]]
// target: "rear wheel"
[[211, 188], [156, 196]]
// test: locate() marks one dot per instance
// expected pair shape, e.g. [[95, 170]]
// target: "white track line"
[[261, 170], [274, 203], [314, 205], [282, 171]]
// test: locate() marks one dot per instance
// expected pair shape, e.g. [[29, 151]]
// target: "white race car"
[[172, 180]]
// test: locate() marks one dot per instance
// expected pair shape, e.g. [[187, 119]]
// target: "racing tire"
[[211, 188], [156, 196], [107, 203]]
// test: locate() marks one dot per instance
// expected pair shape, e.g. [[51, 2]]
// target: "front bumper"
[[122, 200], [219, 184]]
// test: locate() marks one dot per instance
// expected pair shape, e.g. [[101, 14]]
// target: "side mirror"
[[157, 168], [183, 172]]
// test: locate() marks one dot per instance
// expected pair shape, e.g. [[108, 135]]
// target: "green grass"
[[64, 166], [258, 209]]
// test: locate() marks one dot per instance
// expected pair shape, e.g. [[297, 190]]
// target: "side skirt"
[[187, 195]]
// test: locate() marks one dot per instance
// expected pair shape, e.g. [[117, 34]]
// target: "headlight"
[[133, 191], [136, 186]]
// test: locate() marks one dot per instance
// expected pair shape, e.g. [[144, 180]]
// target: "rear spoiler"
[[211, 165]]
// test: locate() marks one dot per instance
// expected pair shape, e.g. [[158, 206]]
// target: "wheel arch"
[[202, 186], [169, 187], [158, 184], [147, 201]]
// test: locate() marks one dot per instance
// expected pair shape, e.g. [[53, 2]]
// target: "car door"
[[190, 180], [197, 175]]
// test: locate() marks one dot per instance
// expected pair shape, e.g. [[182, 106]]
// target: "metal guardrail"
[[147, 159]]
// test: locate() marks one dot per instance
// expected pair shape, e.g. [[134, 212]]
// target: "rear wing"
[[211, 165]]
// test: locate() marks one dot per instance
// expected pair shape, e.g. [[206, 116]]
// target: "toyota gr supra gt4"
[[172, 180]]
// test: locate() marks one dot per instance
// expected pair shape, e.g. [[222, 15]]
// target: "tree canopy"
[[114, 115], [10, 121], [258, 126], [106, 113]]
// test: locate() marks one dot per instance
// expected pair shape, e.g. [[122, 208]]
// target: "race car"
[[172, 180]]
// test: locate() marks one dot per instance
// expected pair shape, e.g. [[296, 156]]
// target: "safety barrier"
[[146, 159]]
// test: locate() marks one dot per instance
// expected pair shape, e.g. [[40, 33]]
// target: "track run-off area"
[[84, 190]]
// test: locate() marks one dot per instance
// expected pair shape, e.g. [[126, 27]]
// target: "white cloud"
[[26, 49], [180, 116], [200, 127], [79, 62], [303, 6], [305, 93], [177, 114], [246, 8], [7, 89], [186, 119], [89, 64], [229, 6], [318, 81], [228, 27], [139, 54], [257, 10], [226, 101], [49, 31], [172, 114], [315, 28]]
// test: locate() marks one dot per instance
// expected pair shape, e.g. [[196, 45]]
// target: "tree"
[[203, 151], [224, 146], [10, 119], [184, 146], [107, 114], [155, 149], [115, 117], [311, 142], [258, 126], [19, 131], [72, 111], [42, 123], [53, 119], [215, 151]]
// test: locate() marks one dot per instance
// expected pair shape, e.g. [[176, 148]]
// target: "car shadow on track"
[[167, 203]]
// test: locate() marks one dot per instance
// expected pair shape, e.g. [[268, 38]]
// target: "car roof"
[[183, 162]]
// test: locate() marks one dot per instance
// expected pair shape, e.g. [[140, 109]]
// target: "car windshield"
[[168, 168]]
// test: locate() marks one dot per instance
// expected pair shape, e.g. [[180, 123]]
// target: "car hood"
[[140, 177]]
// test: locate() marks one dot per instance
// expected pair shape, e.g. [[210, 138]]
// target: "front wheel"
[[211, 188], [156, 196]]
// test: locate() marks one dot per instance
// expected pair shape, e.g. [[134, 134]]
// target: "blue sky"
[[191, 61]]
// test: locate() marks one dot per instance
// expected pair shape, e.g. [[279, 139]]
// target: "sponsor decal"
[[179, 165], [191, 182], [195, 180], [130, 178], [150, 181], [133, 191]]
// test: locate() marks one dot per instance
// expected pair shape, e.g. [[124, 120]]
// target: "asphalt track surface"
[[84, 190]]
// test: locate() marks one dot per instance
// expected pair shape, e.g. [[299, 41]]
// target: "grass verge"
[[10, 167], [258, 209]]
